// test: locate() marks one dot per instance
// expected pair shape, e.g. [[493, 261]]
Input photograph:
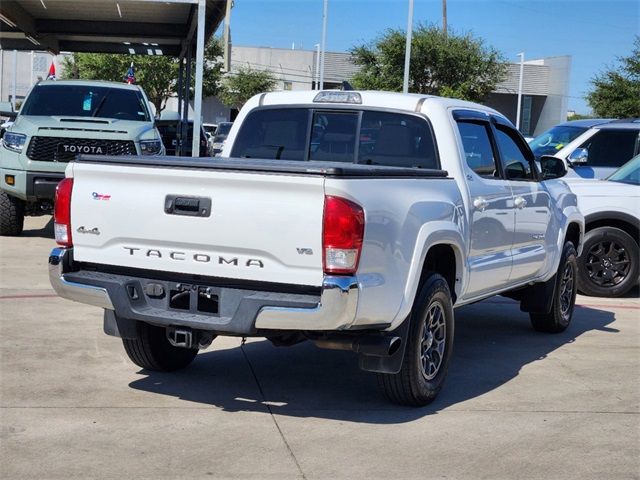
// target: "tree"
[[156, 74], [240, 86], [616, 92], [442, 64]]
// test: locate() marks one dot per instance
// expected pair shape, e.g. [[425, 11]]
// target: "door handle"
[[520, 202], [480, 204]]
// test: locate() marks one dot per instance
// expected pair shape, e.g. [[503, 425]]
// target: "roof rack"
[[626, 120]]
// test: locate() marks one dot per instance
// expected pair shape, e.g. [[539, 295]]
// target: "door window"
[[515, 164], [611, 148], [477, 148]]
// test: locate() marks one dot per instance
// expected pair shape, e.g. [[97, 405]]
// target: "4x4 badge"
[[92, 231]]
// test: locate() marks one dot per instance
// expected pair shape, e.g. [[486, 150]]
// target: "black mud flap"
[[119, 327], [538, 298], [392, 363]]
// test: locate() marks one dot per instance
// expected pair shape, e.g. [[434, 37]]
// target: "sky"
[[593, 32]]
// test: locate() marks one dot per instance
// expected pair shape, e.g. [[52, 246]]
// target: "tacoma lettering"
[[196, 257]]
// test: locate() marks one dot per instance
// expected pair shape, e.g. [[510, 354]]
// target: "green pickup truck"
[[62, 119]]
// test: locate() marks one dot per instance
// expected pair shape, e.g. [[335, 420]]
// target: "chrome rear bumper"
[[78, 292], [336, 309]]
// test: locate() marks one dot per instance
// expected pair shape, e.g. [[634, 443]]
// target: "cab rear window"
[[352, 136]]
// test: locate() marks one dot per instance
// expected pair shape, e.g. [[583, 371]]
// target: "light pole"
[[444, 17], [521, 55], [316, 77], [407, 49], [227, 36], [323, 41]]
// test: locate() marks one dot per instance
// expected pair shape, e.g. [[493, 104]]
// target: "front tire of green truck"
[[152, 351], [429, 347], [11, 215]]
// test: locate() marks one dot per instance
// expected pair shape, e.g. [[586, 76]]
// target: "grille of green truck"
[[62, 149]]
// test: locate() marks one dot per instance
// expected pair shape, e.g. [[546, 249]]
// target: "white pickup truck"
[[356, 220]]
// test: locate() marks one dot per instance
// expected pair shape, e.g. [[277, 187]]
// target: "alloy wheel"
[[432, 345], [607, 264]]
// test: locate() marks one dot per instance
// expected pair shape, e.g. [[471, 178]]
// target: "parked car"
[[59, 120], [209, 129], [168, 128], [610, 265], [220, 137], [591, 148], [365, 249]]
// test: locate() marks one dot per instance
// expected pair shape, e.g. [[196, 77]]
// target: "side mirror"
[[579, 156], [552, 167]]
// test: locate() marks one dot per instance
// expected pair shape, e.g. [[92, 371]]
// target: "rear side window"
[[477, 149], [273, 134], [611, 148], [396, 140]]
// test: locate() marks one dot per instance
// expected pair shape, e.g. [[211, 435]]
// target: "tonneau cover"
[[327, 169]]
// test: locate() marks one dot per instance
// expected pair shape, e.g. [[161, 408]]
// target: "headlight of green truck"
[[14, 141], [150, 147]]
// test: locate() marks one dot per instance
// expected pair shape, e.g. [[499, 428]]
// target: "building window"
[[287, 85]]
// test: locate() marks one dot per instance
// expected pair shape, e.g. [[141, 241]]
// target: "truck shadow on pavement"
[[494, 341], [45, 232]]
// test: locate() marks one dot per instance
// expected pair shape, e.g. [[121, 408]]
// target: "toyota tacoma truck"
[[355, 220], [62, 119]]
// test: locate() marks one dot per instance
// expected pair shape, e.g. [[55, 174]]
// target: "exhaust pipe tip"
[[373, 345], [377, 346], [394, 345]]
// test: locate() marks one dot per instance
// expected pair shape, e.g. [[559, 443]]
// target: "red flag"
[[52, 72]]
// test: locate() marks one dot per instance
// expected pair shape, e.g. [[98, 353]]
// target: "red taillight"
[[62, 213], [342, 233]]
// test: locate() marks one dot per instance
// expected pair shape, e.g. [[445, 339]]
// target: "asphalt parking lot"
[[517, 404]]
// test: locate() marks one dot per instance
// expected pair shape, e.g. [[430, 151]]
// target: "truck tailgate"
[[264, 227]]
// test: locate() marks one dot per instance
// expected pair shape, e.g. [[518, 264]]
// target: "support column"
[[184, 119], [197, 99]]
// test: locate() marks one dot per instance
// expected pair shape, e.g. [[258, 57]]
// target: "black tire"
[[11, 215], [152, 351], [608, 266], [419, 381], [564, 295]]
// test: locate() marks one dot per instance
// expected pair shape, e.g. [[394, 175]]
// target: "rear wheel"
[[564, 295], [609, 263], [11, 215], [428, 350], [152, 351]]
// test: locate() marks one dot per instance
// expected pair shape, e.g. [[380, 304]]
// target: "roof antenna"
[[346, 86]]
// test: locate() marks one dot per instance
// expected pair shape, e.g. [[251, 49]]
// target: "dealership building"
[[544, 92]]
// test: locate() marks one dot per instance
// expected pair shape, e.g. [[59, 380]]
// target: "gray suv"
[[59, 120], [591, 148]]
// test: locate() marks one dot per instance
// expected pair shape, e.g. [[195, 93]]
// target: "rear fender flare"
[[430, 235]]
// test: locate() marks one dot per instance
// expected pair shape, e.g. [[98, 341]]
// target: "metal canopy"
[[146, 27], [105, 26]]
